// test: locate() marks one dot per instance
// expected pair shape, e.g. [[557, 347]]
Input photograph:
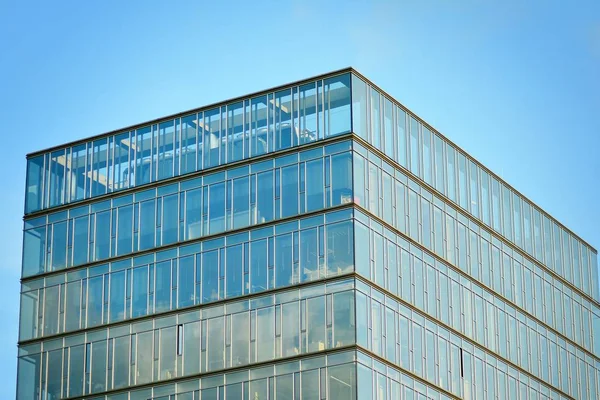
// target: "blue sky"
[[516, 84]]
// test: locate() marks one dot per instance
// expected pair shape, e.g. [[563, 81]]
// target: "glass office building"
[[313, 241]]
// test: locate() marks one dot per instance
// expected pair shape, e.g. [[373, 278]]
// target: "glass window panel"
[[439, 163], [336, 97], [95, 300], [375, 119], [80, 240], [341, 182], [240, 342], [51, 305], [145, 357], [314, 185], [124, 229], [241, 202], [284, 261], [216, 208], [185, 286], [392, 265], [233, 267], [378, 274], [284, 387], [387, 198], [485, 197], [120, 171], [53, 378], [235, 131], [415, 159], [462, 181], [162, 290], [59, 245], [168, 344], [191, 348], [374, 190], [310, 384], [117, 296], [507, 212], [29, 367], [362, 319], [139, 297], [99, 173], [258, 143], [56, 178], [34, 251], [413, 215], [474, 189], [147, 224], [264, 197], [343, 319], [451, 171], [121, 362], [340, 248], [98, 370], [426, 223], [210, 129], [144, 156], [417, 342], [76, 370], [265, 334], [388, 127], [210, 276], [216, 344], [427, 156], [28, 316], [402, 137], [34, 194], [359, 107], [170, 222], [189, 145], [290, 329], [315, 320], [496, 210], [359, 172], [193, 214], [517, 219], [258, 265], [363, 264]]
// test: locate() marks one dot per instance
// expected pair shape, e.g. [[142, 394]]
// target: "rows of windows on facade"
[[315, 241]]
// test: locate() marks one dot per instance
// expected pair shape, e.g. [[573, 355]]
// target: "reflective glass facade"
[[315, 241]]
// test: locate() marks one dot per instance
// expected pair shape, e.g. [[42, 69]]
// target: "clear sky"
[[514, 83]]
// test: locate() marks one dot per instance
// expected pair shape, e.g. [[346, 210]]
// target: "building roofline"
[[187, 112]]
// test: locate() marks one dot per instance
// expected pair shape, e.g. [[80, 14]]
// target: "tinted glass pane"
[[216, 210], [125, 230], [117, 296], [289, 191], [139, 301], [241, 202], [264, 197], [33, 196], [233, 267], [337, 105], [80, 240], [59, 245], [170, 223], [34, 251], [210, 129], [314, 185]]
